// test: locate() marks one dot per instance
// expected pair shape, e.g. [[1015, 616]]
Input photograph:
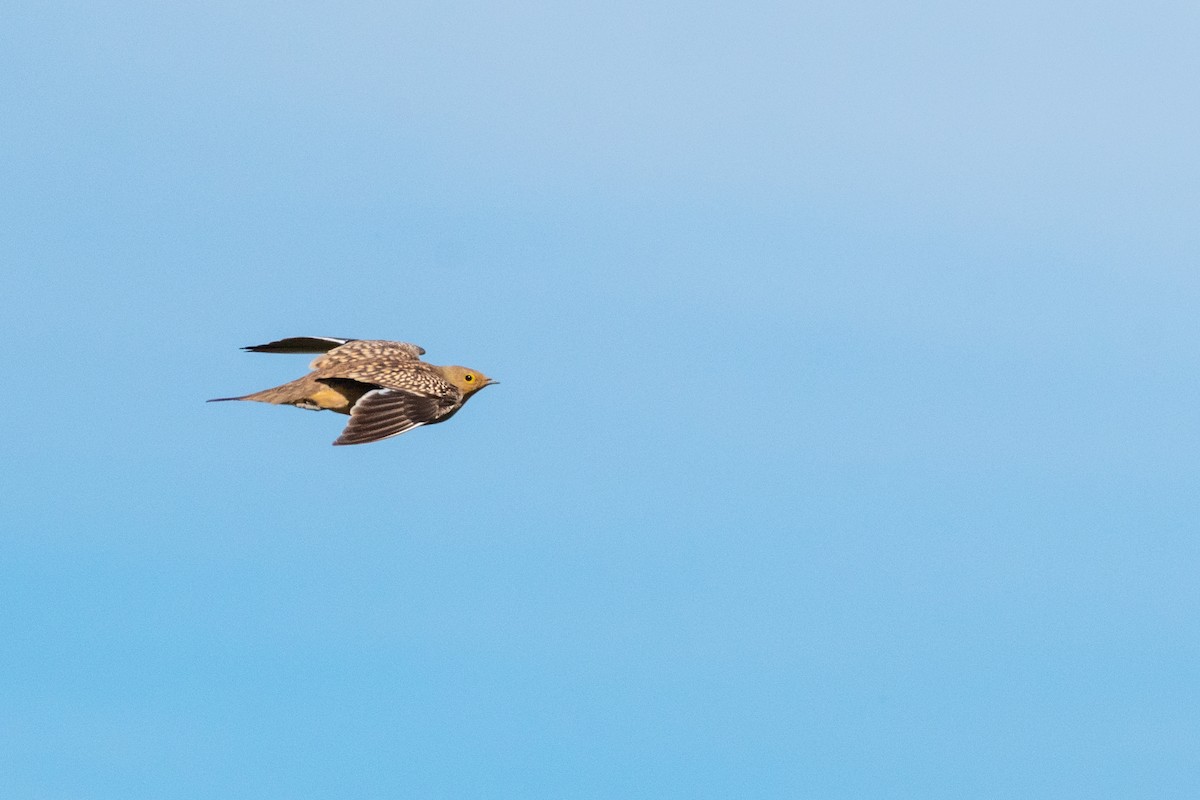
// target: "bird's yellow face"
[[468, 381]]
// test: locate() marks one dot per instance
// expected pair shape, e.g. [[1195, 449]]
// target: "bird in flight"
[[384, 386]]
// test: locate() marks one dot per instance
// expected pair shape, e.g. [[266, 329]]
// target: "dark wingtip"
[[299, 344], [221, 399]]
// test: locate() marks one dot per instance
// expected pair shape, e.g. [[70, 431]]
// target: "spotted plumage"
[[384, 386]]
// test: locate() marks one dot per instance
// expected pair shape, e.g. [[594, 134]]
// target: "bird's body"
[[384, 386]]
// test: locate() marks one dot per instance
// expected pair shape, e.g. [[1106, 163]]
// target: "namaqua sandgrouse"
[[384, 386]]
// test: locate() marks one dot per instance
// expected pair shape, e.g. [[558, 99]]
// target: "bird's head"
[[468, 381]]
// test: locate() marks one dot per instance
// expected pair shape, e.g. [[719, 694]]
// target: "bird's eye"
[[468, 377]]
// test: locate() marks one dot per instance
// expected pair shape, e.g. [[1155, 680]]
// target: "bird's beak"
[[490, 382]]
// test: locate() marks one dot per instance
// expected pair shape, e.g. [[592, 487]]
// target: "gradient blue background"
[[847, 439]]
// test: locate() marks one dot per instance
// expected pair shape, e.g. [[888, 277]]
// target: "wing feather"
[[365, 353], [299, 344], [383, 413]]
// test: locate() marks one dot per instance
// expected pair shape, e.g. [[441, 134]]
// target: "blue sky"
[[847, 437]]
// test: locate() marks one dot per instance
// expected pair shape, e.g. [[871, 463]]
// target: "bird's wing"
[[382, 413], [406, 375], [365, 351], [299, 344]]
